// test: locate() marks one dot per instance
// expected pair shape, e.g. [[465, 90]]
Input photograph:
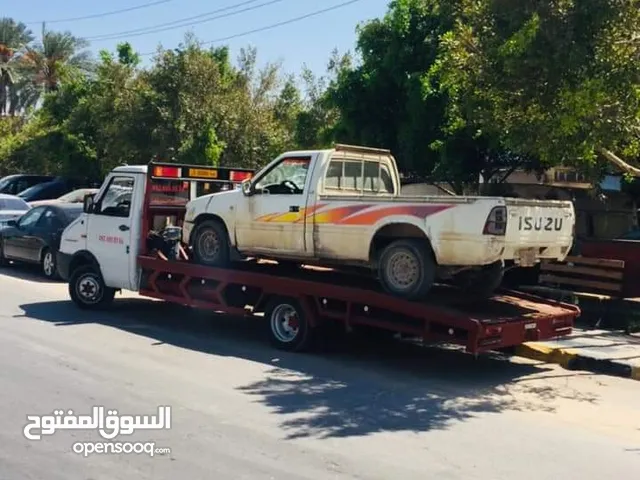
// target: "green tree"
[[56, 56], [553, 80], [14, 37]]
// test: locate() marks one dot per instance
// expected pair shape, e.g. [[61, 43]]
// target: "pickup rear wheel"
[[210, 244], [407, 269], [87, 288]]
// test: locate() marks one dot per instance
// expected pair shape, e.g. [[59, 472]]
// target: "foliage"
[[456, 89], [554, 80], [191, 105]]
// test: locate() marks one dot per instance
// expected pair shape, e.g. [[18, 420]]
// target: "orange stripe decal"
[[334, 215], [372, 217], [361, 214], [288, 217]]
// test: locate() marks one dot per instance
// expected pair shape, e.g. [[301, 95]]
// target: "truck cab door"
[[271, 216], [109, 230]]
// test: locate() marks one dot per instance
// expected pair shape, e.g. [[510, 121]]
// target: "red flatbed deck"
[[446, 315]]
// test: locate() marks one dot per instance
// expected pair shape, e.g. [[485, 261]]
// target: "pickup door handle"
[[294, 208], [123, 228]]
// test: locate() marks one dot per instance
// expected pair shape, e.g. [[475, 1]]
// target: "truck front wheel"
[[87, 288], [407, 269], [210, 244]]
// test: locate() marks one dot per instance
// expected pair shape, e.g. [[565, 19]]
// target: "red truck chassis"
[[296, 302]]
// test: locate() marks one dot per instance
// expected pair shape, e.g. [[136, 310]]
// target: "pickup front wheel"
[[407, 269], [210, 244]]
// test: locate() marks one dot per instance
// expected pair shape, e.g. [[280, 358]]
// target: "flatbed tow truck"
[[129, 239]]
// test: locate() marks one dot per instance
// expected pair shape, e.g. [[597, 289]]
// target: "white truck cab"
[[102, 245], [99, 251]]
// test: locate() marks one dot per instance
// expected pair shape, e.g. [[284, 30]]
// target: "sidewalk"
[[598, 351]]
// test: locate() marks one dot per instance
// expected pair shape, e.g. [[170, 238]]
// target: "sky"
[[307, 41]]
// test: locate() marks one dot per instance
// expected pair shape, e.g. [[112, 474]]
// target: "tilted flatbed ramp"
[[321, 295]]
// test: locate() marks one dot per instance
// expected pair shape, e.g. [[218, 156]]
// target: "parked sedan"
[[35, 237], [50, 190], [14, 184], [77, 196], [12, 207]]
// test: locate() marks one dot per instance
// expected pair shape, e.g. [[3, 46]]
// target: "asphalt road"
[[241, 410]]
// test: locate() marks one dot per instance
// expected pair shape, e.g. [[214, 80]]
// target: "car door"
[[109, 229], [272, 218], [16, 242], [43, 233]]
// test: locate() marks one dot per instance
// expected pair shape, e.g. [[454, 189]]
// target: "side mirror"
[[246, 188], [87, 206], [12, 223]]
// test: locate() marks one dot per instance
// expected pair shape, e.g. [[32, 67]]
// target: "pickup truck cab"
[[342, 207]]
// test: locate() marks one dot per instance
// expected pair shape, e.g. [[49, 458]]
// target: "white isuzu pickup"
[[342, 207]]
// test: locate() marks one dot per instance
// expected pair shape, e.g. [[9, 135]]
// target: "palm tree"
[[13, 38], [58, 54]]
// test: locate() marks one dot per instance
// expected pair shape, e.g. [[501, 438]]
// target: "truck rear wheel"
[[407, 269], [481, 282], [289, 327], [210, 244], [87, 288]]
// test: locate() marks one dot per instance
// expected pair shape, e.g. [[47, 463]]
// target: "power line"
[[174, 24], [271, 27], [104, 14]]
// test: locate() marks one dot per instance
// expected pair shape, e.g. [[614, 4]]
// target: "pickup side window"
[[116, 201], [358, 176], [286, 178]]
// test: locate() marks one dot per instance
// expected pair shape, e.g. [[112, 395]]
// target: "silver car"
[[12, 207]]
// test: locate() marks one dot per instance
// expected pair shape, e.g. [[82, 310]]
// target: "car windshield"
[[73, 213], [29, 192], [4, 182], [13, 204]]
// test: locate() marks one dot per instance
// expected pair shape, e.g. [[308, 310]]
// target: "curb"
[[572, 360]]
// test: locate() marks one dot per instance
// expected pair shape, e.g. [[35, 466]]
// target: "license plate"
[[531, 326], [528, 257]]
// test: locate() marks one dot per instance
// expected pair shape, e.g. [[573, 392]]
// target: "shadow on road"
[[25, 271], [359, 388]]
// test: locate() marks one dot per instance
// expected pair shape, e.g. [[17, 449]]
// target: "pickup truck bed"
[[504, 320]]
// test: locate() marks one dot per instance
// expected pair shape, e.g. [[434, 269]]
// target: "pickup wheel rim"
[[89, 289], [285, 324], [402, 270], [209, 245], [48, 264]]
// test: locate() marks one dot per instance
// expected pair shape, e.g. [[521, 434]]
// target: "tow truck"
[[129, 238]]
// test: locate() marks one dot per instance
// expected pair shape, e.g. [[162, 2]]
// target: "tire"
[[291, 338], [410, 253], [82, 281], [482, 282], [49, 265], [3, 260], [215, 232]]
